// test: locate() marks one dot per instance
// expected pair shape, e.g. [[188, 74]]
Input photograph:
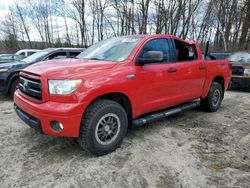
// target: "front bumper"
[[28, 119], [40, 115], [242, 82]]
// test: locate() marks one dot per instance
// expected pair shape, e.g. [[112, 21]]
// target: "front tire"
[[215, 96], [103, 127]]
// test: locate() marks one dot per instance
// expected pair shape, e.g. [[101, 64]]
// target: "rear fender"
[[208, 84]]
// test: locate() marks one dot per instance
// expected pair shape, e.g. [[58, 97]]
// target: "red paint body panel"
[[153, 88], [215, 69]]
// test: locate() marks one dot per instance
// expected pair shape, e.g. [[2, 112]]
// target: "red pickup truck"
[[118, 82]]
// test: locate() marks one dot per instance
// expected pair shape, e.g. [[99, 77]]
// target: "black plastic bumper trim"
[[28, 119]]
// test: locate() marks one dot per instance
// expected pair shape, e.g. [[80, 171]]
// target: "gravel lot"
[[191, 149]]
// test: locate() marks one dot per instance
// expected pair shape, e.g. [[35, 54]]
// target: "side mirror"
[[150, 57]]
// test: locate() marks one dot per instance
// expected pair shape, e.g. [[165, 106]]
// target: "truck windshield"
[[113, 49]]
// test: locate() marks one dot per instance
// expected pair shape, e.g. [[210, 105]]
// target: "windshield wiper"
[[95, 58]]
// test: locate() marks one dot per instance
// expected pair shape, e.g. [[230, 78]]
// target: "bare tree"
[[245, 33], [224, 22], [22, 19]]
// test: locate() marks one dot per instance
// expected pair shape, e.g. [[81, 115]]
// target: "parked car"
[[220, 55], [240, 69], [27, 52], [9, 72], [9, 58], [121, 81]]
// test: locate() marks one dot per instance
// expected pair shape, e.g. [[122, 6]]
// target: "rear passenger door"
[[190, 71]]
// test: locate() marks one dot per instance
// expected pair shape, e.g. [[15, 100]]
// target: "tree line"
[[225, 23]]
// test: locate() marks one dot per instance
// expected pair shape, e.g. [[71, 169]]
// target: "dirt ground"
[[191, 149]]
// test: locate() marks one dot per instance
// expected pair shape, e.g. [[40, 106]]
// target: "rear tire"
[[13, 87], [103, 127], [214, 98]]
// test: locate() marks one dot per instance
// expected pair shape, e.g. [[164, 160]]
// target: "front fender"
[[91, 95], [11, 78]]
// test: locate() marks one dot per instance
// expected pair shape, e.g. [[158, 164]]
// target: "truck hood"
[[68, 68], [242, 64]]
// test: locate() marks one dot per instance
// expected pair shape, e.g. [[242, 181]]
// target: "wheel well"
[[220, 80], [14, 78], [122, 99]]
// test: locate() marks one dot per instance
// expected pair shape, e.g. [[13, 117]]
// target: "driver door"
[[157, 80]]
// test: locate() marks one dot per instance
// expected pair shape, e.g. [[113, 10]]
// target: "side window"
[[17, 57], [30, 53], [57, 55], [163, 45], [73, 54], [185, 51], [23, 53]]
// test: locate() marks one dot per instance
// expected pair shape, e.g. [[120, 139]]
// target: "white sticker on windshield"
[[121, 59]]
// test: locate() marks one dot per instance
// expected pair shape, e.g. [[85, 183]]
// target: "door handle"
[[172, 70], [202, 67], [130, 76]]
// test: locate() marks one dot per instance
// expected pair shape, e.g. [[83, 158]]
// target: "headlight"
[[63, 87], [3, 70], [247, 71]]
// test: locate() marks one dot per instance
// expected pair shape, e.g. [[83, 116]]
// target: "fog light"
[[55, 125]]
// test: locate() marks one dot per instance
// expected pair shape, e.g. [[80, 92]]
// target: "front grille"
[[237, 70], [30, 87]]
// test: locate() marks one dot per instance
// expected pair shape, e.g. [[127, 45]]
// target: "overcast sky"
[[58, 22], [4, 6]]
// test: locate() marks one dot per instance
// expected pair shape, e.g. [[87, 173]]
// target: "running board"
[[165, 113]]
